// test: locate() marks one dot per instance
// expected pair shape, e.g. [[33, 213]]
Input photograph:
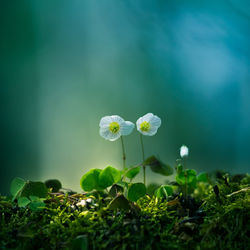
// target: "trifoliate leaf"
[[23, 201], [188, 176], [108, 176], [136, 191], [16, 187], [37, 205], [191, 175], [115, 190], [157, 166], [164, 191], [33, 188], [90, 180], [132, 172], [203, 177], [34, 198], [120, 202], [54, 184], [179, 169], [151, 188]]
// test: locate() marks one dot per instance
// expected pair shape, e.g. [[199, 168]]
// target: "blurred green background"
[[65, 64]]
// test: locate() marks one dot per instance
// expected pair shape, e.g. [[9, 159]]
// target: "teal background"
[[65, 64]]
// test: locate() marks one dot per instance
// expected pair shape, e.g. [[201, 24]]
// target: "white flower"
[[81, 203], [184, 151], [148, 124], [112, 127]]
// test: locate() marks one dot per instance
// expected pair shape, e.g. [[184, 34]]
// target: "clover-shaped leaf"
[[108, 176], [164, 191], [90, 180], [23, 201], [179, 169], [132, 172], [37, 205], [157, 166], [115, 190], [33, 202], [136, 191], [33, 188], [54, 184], [202, 177], [187, 176], [120, 202], [16, 187]]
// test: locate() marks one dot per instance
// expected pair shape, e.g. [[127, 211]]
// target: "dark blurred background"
[[65, 64]]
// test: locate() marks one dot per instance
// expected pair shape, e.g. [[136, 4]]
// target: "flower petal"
[[105, 121], [114, 137], [138, 123], [155, 121], [117, 118], [127, 127], [151, 132], [106, 134], [147, 117]]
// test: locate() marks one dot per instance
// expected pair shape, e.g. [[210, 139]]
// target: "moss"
[[206, 220]]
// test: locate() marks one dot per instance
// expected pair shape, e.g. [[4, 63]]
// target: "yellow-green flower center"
[[145, 126], [114, 127]]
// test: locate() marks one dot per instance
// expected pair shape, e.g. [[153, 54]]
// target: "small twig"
[[239, 191]]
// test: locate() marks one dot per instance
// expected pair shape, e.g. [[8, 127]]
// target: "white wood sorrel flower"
[[148, 124], [113, 127], [184, 151]]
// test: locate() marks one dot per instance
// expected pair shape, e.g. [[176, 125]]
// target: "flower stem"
[[185, 174], [143, 159], [123, 153]]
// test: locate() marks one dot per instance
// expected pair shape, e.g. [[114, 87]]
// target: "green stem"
[[123, 154], [143, 159], [185, 173]]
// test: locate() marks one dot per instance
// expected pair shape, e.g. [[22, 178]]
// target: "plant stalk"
[[185, 173], [143, 159], [123, 153]]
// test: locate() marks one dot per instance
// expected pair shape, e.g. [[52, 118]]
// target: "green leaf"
[[90, 180], [203, 177], [157, 166], [54, 184], [191, 175], [23, 201], [136, 191], [80, 243], [124, 184], [120, 202], [180, 178], [164, 191], [37, 205], [188, 176], [192, 184], [151, 188], [115, 190], [132, 172], [124, 170], [34, 198], [16, 187], [179, 169], [109, 176], [34, 189]]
